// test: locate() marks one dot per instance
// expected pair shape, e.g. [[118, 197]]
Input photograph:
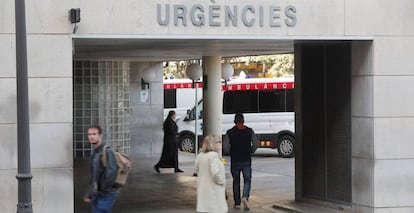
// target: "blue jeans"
[[104, 203], [246, 170]]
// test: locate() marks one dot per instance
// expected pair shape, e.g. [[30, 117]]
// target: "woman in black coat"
[[169, 156]]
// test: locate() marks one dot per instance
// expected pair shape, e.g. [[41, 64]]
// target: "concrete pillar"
[[212, 95], [363, 159], [146, 115]]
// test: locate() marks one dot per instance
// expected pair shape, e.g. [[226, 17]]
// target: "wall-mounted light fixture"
[[74, 17], [144, 84], [147, 75], [227, 71]]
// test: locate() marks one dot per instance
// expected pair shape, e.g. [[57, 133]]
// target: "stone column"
[[382, 125], [212, 95]]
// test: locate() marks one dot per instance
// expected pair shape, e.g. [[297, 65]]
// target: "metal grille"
[[101, 96], [313, 123], [338, 118], [326, 122]]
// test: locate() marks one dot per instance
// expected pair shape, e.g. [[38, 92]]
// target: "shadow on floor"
[[150, 192]]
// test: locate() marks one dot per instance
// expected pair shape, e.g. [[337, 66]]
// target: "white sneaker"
[[237, 206], [245, 204]]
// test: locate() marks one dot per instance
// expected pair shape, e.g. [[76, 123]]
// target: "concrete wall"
[[49, 49], [383, 79], [382, 133], [146, 116], [50, 105], [135, 18], [382, 91]]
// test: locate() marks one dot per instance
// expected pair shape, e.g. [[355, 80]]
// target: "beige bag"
[[124, 166]]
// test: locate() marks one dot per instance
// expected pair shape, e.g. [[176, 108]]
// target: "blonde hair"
[[209, 143]]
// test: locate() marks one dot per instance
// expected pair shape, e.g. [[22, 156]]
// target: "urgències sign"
[[212, 15]]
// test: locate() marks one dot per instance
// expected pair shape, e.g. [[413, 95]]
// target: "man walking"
[[102, 194], [241, 139]]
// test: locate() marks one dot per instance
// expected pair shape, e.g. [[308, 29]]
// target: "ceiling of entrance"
[[176, 49]]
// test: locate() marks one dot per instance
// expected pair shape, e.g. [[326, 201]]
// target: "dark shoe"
[[157, 169], [178, 170]]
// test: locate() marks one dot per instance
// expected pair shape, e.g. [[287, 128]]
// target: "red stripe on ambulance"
[[231, 87]]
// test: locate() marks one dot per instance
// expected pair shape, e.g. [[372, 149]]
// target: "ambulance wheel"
[[286, 146], [186, 143]]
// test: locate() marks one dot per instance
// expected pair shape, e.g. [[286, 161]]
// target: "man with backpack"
[[103, 192]]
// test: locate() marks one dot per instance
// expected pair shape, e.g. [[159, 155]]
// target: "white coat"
[[211, 183]]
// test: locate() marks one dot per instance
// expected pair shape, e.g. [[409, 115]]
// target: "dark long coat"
[[169, 156]]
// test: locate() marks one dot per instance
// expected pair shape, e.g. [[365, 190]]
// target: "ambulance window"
[[290, 99], [272, 101], [200, 110], [191, 115], [170, 98], [240, 101]]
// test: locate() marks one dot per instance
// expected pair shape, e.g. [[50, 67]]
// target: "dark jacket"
[[102, 179], [170, 129], [241, 144]]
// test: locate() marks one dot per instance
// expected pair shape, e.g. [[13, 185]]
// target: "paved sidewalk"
[[168, 192]]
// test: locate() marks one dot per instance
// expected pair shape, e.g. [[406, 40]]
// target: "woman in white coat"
[[211, 177]]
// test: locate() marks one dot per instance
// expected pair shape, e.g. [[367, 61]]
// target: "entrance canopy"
[[169, 49]]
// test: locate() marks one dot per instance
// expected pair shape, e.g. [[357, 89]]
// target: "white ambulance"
[[267, 105]]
